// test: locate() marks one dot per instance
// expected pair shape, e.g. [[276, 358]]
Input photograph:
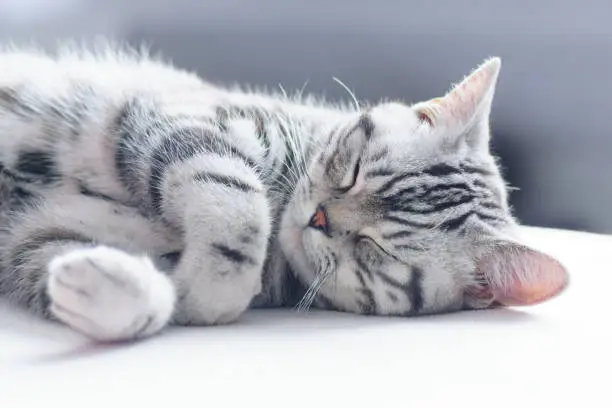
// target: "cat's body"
[[134, 194]]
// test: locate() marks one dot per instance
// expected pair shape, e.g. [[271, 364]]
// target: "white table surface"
[[556, 353]]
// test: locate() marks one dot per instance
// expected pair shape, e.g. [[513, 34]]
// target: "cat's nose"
[[319, 221]]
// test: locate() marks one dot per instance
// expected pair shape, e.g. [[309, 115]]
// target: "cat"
[[135, 195]]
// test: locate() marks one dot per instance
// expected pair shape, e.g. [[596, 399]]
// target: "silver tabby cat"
[[136, 195]]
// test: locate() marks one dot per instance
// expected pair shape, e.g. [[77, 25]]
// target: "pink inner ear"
[[519, 276]]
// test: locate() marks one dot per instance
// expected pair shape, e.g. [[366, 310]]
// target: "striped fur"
[[136, 194]]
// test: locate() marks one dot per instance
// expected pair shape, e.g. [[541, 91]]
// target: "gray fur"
[[121, 160]]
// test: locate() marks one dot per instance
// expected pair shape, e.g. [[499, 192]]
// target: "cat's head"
[[403, 211]]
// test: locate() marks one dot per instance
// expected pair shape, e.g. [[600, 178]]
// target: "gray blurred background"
[[551, 117]]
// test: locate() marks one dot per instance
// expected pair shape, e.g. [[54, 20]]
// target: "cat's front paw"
[[109, 295]]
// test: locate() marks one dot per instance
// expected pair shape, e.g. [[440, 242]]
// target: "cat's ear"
[[512, 274], [464, 110]]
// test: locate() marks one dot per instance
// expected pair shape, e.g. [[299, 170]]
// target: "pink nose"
[[319, 221]]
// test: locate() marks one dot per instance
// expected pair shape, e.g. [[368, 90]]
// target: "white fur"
[[108, 294]]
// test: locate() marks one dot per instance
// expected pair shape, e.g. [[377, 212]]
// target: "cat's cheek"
[[292, 240], [290, 237], [292, 245]]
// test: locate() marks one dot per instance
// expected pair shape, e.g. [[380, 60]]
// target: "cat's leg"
[[226, 224], [80, 260], [204, 180]]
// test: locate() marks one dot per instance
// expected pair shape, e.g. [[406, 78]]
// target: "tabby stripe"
[[366, 123], [426, 193], [438, 170], [41, 165], [227, 181], [364, 267], [380, 172], [369, 306], [333, 263], [197, 140], [390, 281], [224, 115], [392, 296], [392, 182], [182, 145], [173, 258], [360, 277], [11, 101], [490, 205], [138, 145], [394, 200], [415, 290], [455, 223], [379, 155], [19, 178], [472, 169], [440, 199], [480, 183], [44, 237], [170, 151], [408, 246], [451, 196], [408, 223], [233, 255], [490, 217], [262, 133], [21, 197], [399, 234], [83, 189], [33, 285], [44, 301], [439, 207], [133, 144], [441, 170], [444, 188]]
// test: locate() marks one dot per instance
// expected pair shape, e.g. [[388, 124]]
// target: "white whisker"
[[306, 302], [301, 92], [283, 91], [351, 94]]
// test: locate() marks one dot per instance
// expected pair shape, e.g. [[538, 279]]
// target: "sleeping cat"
[[136, 195]]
